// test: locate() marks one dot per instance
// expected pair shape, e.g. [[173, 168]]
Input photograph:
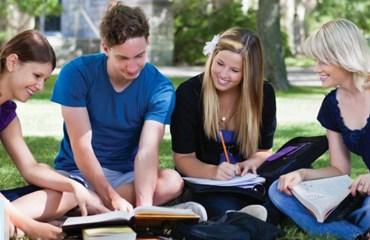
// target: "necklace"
[[225, 121]]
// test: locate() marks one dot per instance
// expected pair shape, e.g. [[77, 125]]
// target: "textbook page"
[[322, 196], [98, 218], [153, 210], [142, 212], [249, 180]]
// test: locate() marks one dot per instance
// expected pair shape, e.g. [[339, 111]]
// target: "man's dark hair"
[[122, 22]]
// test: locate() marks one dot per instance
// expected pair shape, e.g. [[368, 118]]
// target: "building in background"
[[76, 30]]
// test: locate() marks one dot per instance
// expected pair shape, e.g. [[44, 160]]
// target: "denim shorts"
[[115, 178]]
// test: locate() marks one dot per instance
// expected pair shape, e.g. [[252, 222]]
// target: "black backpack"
[[231, 226], [299, 152]]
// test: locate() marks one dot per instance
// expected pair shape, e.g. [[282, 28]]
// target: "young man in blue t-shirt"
[[115, 107]]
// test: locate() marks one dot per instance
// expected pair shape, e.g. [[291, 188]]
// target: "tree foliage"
[[38, 7], [358, 11], [31, 8], [197, 21]]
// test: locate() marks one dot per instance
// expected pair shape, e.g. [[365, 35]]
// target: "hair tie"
[[211, 45]]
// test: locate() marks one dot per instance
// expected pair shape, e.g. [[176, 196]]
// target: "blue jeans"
[[358, 221]]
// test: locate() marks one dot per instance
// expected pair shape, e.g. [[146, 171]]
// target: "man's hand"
[[121, 204], [87, 201]]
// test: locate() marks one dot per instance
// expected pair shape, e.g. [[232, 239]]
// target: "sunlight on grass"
[[299, 61], [303, 91], [48, 89]]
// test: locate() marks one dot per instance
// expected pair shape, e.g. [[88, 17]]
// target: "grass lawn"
[[45, 148]]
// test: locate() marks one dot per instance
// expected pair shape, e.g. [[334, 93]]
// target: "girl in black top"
[[229, 102]]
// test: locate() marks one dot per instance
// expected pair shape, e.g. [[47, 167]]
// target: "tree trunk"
[[268, 28]]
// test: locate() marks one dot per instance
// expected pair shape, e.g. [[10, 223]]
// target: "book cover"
[[111, 233], [322, 196]]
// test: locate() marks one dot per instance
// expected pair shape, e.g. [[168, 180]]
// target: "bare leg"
[[169, 186], [127, 191], [45, 205]]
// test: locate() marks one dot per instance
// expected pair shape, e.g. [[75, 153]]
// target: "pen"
[[224, 147]]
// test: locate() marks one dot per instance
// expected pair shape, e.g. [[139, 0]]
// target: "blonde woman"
[[229, 103], [343, 62]]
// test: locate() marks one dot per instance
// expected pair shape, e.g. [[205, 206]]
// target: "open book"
[[119, 218], [111, 233], [322, 196], [249, 180]]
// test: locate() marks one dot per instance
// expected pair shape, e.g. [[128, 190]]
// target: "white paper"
[[98, 218], [246, 181]]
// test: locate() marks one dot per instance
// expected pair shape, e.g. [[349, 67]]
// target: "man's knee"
[[171, 181]]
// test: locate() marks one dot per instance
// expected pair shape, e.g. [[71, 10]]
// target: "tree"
[[197, 21], [294, 19], [17, 14], [268, 28], [358, 11]]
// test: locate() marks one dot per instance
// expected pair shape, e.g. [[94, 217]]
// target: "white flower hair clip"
[[211, 45]]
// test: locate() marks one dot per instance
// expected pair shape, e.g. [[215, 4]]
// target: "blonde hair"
[[249, 107], [341, 43]]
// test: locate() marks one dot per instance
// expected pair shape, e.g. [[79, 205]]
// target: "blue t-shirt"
[[358, 140], [116, 118]]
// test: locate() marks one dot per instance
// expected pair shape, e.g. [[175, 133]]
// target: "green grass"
[[48, 89], [303, 92], [45, 149], [178, 80], [299, 61]]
